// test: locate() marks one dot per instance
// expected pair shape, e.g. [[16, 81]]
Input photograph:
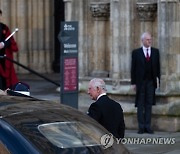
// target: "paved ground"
[[157, 143]]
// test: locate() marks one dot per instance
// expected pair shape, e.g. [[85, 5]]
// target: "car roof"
[[21, 112], [14, 105]]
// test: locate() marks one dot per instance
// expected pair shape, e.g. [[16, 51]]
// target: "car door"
[[11, 141]]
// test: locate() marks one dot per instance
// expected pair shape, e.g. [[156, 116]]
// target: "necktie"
[[147, 55]]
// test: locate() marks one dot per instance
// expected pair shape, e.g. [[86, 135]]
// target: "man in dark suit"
[[145, 78], [105, 110]]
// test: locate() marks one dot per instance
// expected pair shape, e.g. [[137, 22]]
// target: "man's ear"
[[98, 90]]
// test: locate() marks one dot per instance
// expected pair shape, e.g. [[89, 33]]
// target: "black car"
[[33, 126]]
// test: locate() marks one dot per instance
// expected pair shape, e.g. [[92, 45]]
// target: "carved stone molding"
[[67, 1], [100, 10], [146, 11]]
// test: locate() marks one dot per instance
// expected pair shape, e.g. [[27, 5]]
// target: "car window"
[[71, 134], [3, 149]]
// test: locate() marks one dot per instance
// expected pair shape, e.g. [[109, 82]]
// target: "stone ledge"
[[168, 109], [158, 123], [122, 87]]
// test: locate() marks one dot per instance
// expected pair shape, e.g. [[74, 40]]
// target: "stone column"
[[100, 14], [13, 17], [14, 25], [82, 52], [42, 8], [30, 30], [34, 37], [125, 38], [22, 35], [39, 38], [115, 55], [6, 14], [147, 13], [68, 10], [169, 44], [48, 35], [121, 41]]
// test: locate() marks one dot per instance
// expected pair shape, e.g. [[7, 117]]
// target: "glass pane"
[[71, 134]]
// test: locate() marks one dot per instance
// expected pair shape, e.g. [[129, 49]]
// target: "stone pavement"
[[157, 143]]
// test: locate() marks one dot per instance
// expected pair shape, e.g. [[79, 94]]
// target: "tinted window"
[[29, 124], [71, 134]]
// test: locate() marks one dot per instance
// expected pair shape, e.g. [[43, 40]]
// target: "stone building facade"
[[34, 19], [108, 31]]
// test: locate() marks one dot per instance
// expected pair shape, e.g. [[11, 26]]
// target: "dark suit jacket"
[[109, 114], [138, 68]]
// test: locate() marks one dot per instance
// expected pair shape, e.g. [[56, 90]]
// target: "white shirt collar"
[[101, 95], [145, 50]]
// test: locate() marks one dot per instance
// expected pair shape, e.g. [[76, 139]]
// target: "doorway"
[[58, 17]]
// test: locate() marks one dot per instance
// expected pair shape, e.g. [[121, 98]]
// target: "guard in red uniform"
[[7, 72]]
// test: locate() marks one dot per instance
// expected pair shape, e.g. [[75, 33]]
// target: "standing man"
[[7, 72], [105, 110], [145, 78]]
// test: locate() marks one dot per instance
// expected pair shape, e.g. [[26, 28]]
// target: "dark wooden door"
[[58, 17]]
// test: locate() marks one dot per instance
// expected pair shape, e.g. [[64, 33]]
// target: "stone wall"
[[34, 19], [106, 44], [110, 29], [169, 44]]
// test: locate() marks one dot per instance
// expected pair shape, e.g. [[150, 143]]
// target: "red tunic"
[[9, 72]]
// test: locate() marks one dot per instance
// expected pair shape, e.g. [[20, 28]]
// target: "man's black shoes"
[[149, 131], [140, 131]]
